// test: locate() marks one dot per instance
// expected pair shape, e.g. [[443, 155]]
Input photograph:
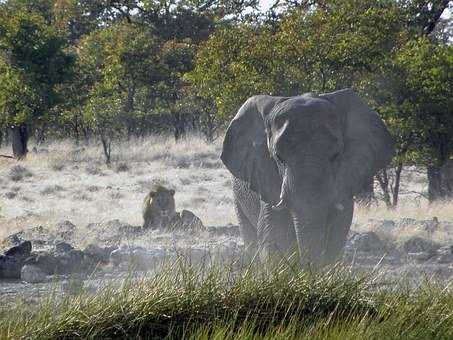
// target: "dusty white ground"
[[66, 182], [62, 181]]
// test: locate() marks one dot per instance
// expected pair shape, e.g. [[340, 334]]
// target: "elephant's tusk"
[[279, 206]]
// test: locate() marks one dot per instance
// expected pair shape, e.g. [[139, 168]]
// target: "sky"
[[265, 4]]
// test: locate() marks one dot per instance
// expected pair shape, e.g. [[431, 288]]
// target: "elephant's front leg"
[[338, 226], [276, 233]]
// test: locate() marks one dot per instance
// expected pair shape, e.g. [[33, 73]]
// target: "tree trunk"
[[440, 181], [383, 180], [107, 148], [128, 109], [396, 187], [435, 187], [40, 136], [179, 126], [19, 135], [366, 195]]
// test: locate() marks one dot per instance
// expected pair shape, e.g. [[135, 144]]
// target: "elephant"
[[297, 163]]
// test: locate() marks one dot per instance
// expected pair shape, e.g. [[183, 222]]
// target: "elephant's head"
[[307, 153]]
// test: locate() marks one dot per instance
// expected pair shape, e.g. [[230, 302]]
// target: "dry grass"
[[62, 181], [69, 182], [72, 183]]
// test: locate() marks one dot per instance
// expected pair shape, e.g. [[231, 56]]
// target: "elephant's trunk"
[[311, 238], [308, 196]]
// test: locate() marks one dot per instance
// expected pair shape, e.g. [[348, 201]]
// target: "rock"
[[14, 239], [39, 243], [21, 251], [143, 259], [32, 274], [63, 261], [63, 247], [445, 254], [65, 230], [422, 256], [9, 267], [189, 221], [120, 255], [37, 236], [367, 242], [71, 262], [418, 245], [228, 230], [48, 263], [138, 257], [98, 254]]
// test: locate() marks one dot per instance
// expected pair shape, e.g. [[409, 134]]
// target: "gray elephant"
[[296, 164]]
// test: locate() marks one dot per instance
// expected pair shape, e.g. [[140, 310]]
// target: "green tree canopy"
[[34, 61]]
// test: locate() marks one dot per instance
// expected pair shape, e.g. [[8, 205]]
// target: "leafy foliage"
[[33, 63], [114, 69]]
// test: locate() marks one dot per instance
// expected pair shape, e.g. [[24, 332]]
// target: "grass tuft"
[[184, 301], [18, 173]]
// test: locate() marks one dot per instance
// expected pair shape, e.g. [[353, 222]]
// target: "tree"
[[316, 47], [172, 91], [320, 48], [33, 62], [117, 69], [102, 112], [428, 102]]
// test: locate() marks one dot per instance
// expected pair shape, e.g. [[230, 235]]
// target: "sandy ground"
[[62, 181]]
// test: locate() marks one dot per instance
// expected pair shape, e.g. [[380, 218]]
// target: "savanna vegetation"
[[185, 302], [111, 70]]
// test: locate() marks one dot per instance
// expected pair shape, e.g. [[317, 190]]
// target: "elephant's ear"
[[368, 145], [245, 152]]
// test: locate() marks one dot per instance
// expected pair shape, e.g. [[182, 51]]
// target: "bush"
[[93, 169], [18, 172], [122, 167], [57, 164], [51, 189]]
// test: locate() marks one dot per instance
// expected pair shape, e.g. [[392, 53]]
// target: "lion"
[[159, 208]]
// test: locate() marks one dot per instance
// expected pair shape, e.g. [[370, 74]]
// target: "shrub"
[[57, 164], [93, 169], [122, 167], [18, 172], [52, 189]]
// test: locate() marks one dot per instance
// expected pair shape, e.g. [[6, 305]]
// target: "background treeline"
[[120, 69]]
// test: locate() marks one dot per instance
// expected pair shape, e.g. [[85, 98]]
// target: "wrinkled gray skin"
[[296, 164]]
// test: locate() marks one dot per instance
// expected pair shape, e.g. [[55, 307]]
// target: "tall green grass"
[[219, 302]]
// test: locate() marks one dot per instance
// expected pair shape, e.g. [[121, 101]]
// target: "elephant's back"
[[246, 200]]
